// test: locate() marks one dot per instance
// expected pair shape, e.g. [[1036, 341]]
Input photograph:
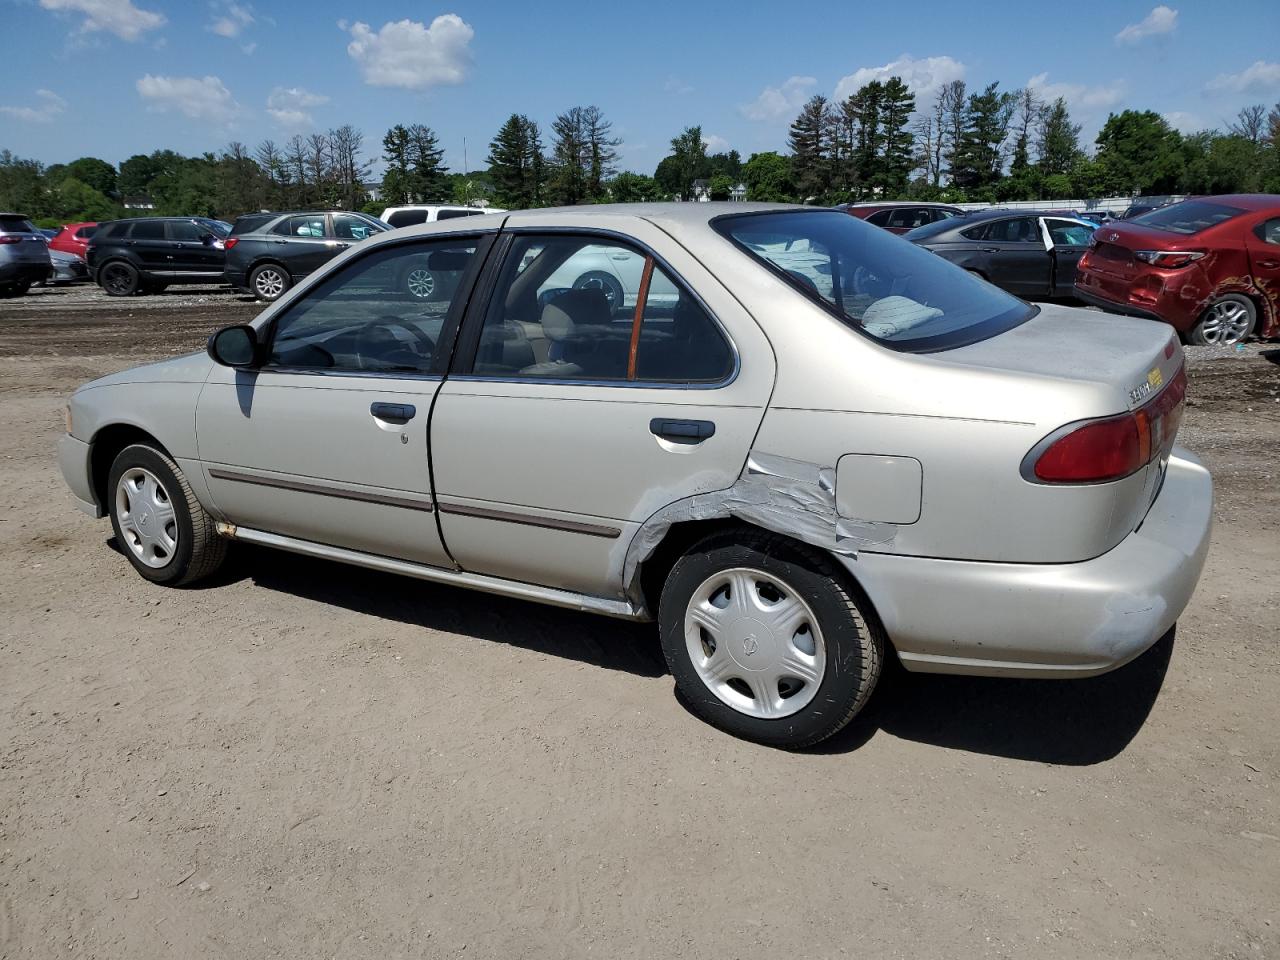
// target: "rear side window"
[[880, 218], [573, 308], [16, 225], [147, 230], [407, 218], [1014, 230], [84, 233], [1190, 216], [454, 214], [347, 227], [909, 218], [1269, 231]]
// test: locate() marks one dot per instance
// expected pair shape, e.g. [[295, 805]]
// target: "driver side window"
[[383, 312]]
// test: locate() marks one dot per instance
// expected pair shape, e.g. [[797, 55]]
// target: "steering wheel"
[[376, 341]]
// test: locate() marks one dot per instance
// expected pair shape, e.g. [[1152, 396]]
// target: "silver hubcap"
[[269, 284], [146, 516], [755, 643], [421, 283], [1226, 322]]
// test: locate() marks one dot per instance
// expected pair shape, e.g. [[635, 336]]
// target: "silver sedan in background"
[[798, 442]]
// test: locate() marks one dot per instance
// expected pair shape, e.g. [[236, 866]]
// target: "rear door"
[[149, 244], [1016, 257], [566, 423], [1263, 243], [304, 244], [1068, 240]]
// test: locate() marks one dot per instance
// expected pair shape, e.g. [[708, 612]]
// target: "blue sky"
[[111, 78]]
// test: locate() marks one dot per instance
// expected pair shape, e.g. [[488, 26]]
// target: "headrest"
[[574, 308]]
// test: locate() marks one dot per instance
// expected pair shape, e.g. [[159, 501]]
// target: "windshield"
[[898, 293], [1190, 216]]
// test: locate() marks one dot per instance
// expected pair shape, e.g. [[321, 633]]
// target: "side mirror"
[[234, 346]]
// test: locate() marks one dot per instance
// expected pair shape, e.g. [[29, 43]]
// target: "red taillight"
[[1111, 449], [1168, 259], [230, 242], [9, 238]]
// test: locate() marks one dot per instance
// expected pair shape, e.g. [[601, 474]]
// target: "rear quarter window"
[[407, 218]]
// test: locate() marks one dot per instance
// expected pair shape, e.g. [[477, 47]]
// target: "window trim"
[[468, 344], [445, 346]]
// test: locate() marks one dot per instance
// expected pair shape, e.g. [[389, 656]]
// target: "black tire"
[[15, 290], [261, 285], [603, 281], [199, 551], [853, 644], [119, 278], [1203, 333]]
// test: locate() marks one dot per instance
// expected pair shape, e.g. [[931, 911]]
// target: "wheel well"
[[682, 536], [106, 446]]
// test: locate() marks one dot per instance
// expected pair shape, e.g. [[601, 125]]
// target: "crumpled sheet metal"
[[791, 497]]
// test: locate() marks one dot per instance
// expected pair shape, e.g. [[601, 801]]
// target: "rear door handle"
[[393, 412], [1269, 264], [682, 431]]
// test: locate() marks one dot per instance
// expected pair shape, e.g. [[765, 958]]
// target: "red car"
[[901, 216], [73, 238], [1210, 267]]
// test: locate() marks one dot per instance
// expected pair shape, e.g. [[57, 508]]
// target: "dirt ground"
[[306, 760]]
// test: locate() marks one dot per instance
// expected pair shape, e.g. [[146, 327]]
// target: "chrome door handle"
[[393, 412], [1269, 264]]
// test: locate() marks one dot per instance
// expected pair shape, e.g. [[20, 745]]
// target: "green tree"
[[569, 152], [858, 139], [1057, 139], [897, 158], [978, 163], [98, 174], [516, 165], [688, 163], [1140, 152], [426, 171], [725, 164], [769, 178], [812, 146], [396, 181], [76, 200], [629, 187], [136, 174]]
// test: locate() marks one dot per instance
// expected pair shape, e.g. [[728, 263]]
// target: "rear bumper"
[[23, 272], [1049, 620], [1125, 308], [1176, 301], [73, 461]]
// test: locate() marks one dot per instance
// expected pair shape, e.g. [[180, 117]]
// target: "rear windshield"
[[900, 294], [16, 225], [1190, 216]]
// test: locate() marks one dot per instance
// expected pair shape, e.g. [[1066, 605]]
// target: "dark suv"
[[267, 253], [147, 254]]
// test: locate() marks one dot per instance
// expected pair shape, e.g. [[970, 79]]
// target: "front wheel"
[[418, 283], [766, 640], [158, 522], [1226, 321]]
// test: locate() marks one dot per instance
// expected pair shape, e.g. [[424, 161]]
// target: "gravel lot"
[[305, 760]]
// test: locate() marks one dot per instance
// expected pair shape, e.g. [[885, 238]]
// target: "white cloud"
[[1160, 21], [408, 54], [715, 143], [774, 103], [48, 106], [1184, 122], [200, 98], [120, 17], [1260, 77], [289, 106], [1078, 95], [230, 19], [924, 76], [674, 85]]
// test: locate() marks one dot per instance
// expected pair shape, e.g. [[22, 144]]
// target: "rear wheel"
[[1228, 320], [119, 279], [158, 522], [766, 640], [418, 283], [269, 281], [16, 289]]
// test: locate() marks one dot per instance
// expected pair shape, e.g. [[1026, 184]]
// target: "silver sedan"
[[797, 442]]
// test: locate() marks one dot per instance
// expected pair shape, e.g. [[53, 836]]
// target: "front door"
[[1068, 240], [570, 419], [189, 250], [1017, 259], [327, 441]]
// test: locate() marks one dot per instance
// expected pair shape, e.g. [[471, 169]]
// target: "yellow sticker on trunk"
[[1155, 378]]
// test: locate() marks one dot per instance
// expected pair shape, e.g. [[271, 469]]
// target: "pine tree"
[[602, 152], [1057, 139], [811, 141], [426, 173], [978, 160], [689, 162], [516, 165], [568, 148], [897, 105], [395, 152], [860, 113]]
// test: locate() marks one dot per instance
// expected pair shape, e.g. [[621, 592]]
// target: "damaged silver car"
[[798, 442]]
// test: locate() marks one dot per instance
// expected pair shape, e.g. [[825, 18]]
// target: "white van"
[[414, 213]]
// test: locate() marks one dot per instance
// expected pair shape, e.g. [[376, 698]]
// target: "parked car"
[[24, 255], [899, 217], [1027, 253], [416, 213], [146, 254], [269, 253], [1139, 208], [793, 484], [67, 268], [1208, 266], [73, 238]]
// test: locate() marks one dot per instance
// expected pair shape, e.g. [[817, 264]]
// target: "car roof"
[[889, 204]]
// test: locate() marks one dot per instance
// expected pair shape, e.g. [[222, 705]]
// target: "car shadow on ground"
[[1271, 356], [1067, 722]]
